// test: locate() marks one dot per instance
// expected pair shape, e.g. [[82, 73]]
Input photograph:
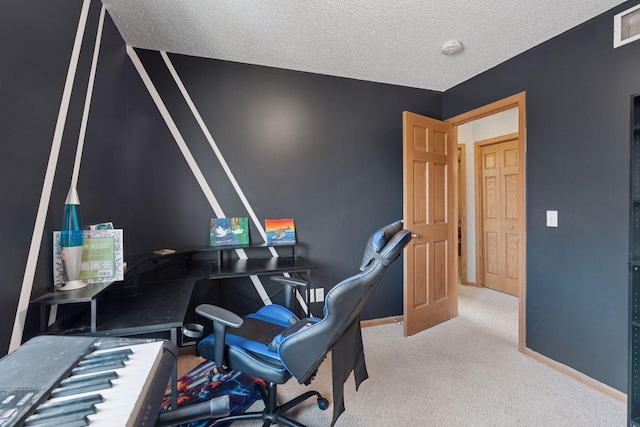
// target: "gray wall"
[[578, 91]]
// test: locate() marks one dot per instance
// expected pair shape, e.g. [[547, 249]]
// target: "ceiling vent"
[[626, 26]]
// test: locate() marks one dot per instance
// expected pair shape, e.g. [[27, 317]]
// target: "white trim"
[[87, 100], [617, 28], [38, 230], [195, 169]]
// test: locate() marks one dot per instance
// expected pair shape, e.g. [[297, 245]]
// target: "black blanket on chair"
[[347, 355]]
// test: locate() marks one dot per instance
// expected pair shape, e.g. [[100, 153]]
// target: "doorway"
[[515, 101], [430, 260]]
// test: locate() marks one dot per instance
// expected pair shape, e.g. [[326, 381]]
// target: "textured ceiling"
[[388, 41]]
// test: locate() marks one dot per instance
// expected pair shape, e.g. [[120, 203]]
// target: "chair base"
[[272, 413]]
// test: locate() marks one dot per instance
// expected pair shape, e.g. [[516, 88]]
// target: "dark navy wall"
[[36, 39], [578, 92], [325, 151]]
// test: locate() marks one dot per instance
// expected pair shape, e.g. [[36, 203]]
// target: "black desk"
[[126, 310], [259, 267], [230, 269], [89, 294], [185, 254], [156, 301]]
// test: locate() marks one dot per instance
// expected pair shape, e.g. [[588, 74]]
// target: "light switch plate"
[[319, 294], [552, 218]]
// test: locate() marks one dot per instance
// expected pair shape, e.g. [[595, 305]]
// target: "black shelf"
[[86, 294], [188, 252]]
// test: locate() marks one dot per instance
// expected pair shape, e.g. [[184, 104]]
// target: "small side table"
[[88, 294]]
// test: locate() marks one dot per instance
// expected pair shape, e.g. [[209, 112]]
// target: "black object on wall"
[[578, 90]]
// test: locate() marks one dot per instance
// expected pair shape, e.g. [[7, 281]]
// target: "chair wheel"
[[323, 403]]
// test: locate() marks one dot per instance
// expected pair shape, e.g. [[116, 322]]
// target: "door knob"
[[414, 236]]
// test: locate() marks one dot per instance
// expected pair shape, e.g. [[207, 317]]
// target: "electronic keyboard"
[[77, 381]]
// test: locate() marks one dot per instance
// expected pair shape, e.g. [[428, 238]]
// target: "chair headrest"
[[377, 242]]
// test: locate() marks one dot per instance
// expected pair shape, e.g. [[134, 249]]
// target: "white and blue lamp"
[[71, 241]]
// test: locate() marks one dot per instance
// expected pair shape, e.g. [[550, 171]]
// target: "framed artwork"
[[228, 232], [280, 230]]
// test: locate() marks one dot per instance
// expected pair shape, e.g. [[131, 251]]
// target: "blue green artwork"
[[229, 232]]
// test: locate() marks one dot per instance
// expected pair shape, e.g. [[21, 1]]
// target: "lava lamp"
[[71, 240]]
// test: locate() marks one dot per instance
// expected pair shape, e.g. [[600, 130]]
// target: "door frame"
[[462, 211], [477, 148], [519, 101]]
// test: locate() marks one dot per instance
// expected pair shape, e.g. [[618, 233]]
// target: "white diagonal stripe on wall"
[[223, 162], [195, 169], [45, 196], [87, 100], [215, 149], [83, 125]]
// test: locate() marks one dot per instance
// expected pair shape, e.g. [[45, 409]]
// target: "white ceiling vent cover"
[[626, 26]]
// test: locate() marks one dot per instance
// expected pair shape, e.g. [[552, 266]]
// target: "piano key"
[[122, 401], [112, 365], [81, 387], [77, 423], [78, 408], [90, 398], [108, 352], [104, 359], [62, 420], [108, 375]]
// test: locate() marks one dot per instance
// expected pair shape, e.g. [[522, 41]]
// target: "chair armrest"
[[296, 283], [221, 319], [219, 314], [290, 285]]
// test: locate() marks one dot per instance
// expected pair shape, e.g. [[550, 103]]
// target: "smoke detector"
[[451, 47]]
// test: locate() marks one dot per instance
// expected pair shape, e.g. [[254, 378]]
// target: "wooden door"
[[501, 201], [429, 163]]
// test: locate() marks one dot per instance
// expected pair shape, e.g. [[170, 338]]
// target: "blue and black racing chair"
[[274, 344]]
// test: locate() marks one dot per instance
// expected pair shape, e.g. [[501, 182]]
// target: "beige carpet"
[[466, 371]]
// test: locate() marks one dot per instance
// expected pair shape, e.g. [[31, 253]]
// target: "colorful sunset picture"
[[280, 230]]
